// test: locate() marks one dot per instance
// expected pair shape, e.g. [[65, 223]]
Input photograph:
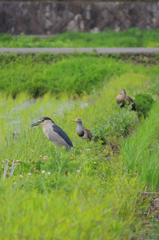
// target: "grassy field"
[[130, 38], [74, 75], [94, 190]]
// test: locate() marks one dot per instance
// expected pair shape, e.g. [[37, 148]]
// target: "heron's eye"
[[43, 120]]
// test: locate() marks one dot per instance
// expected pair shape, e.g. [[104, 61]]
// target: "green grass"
[[74, 75], [86, 195], [130, 38], [141, 151], [100, 202]]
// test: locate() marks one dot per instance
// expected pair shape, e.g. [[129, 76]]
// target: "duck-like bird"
[[53, 132], [82, 131], [122, 98]]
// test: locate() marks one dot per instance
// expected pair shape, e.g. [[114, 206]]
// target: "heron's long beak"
[[74, 120], [36, 123]]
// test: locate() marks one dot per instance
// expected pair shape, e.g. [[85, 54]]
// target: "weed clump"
[[143, 104], [118, 124]]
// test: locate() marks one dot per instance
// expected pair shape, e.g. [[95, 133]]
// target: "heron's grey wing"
[[89, 134], [62, 134]]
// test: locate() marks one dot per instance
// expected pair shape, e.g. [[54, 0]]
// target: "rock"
[[142, 24], [82, 27], [58, 17], [47, 14], [68, 15], [126, 24], [88, 15], [126, 7], [48, 24], [95, 30], [119, 15], [151, 7], [47, 9], [115, 25], [156, 16], [100, 5], [108, 17], [88, 7], [134, 16], [53, 16], [12, 30], [74, 25], [154, 7], [111, 6]]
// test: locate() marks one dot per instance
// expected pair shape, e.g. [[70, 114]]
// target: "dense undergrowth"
[[130, 38], [94, 190]]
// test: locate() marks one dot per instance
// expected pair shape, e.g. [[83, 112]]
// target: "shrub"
[[37, 89], [143, 104], [118, 124]]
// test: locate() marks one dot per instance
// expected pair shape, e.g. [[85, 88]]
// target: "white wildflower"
[[78, 171]]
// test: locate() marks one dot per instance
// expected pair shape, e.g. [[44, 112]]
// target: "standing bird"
[[53, 132], [82, 131], [122, 98]]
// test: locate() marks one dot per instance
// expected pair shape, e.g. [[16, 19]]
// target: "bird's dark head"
[[43, 121], [123, 92], [78, 120]]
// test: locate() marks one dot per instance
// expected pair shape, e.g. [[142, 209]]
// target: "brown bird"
[[82, 131], [122, 98]]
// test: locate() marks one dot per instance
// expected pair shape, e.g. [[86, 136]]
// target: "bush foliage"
[[118, 124], [143, 104]]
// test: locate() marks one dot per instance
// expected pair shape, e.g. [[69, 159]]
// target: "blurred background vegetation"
[[132, 37]]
